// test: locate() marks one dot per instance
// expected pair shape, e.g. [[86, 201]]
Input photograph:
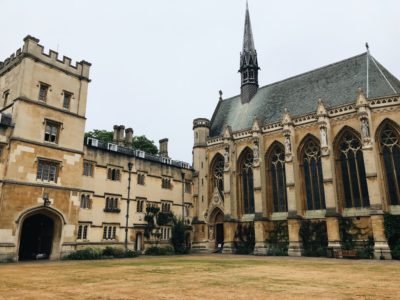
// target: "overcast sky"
[[157, 64]]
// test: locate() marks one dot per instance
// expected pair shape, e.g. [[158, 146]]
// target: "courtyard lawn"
[[202, 277]]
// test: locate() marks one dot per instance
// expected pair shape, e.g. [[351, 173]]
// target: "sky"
[[157, 64]]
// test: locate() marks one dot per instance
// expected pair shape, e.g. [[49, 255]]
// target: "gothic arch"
[[388, 140], [276, 177], [352, 181], [216, 177], [245, 182], [309, 155]]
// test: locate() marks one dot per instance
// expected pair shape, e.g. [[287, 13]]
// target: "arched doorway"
[[217, 224], [36, 237]]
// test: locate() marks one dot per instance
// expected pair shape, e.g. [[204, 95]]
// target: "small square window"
[[166, 183], [67, 100], [88, 168], [82, 232], [51, 132], [188, 187], [140, 205], [109, 232], [113, 174], [43, 91]]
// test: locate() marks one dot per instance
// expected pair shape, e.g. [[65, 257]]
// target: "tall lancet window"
[[246, 181], [276, 178], [217, 171], [390, 150], [351, 164], [313, 177]]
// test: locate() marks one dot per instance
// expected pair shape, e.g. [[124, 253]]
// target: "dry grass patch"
[[202, 277]]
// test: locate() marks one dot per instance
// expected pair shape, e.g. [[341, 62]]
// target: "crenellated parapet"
[[34, 50]]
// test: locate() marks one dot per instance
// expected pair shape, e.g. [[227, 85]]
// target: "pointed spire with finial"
[[248, 62]]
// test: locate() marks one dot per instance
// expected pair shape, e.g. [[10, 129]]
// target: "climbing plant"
[[314, 237], [278, 239], [351, 235], [392, 232], [244, 241]]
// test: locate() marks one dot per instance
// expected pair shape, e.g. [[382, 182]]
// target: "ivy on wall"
[[278, 239], [244, 240], [314, 237], [392, 232]]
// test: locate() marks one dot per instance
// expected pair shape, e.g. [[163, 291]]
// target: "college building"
[[60, 192], [321, 148]]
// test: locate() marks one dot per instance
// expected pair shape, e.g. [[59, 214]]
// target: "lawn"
[[202, 277]]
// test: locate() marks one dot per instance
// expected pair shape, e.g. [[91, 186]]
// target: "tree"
[[178, 236], [139, 142], [100, 134], [143, 143]]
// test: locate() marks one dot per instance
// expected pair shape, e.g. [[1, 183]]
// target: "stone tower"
[[248, 63]]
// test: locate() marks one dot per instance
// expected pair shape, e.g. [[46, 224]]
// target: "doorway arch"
[[217, 226], [40, 234]]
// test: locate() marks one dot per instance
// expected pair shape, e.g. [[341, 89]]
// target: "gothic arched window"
[[246, 181], [313, 177], [217, 178], [390, 150], [276, 177], [351, 163]]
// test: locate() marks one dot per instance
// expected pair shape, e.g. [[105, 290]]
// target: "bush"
[[159, 251], [392, 232], [396, 252], [113, 252], [314, 237], [178, 237], [86, 254], [278, 240], [91, 253], [244, 238]]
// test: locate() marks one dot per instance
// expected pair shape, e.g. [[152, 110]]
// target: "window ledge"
[[279, 216], [394, 209], [112, 210], [315, 214], [356, 212]]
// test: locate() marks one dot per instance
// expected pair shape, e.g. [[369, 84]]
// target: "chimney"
[[115, 134], [121, 138], [128, 137], [164, 147]]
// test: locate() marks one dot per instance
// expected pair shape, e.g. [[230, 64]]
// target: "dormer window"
[[43, 90]]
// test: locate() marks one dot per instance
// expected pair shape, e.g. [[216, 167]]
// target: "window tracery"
[[277, 178]]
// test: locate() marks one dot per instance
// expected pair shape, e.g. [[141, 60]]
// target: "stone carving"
[[226, 157], [365, 128], [324, 138], [288, 145]]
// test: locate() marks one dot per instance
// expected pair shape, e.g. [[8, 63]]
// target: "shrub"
[[91, 253], [159, 251], [178, 237], [392, 232], [278, 240], [85, 254], [396, 252], [366, 250], [113, 252], [314, 237], [244, 239]]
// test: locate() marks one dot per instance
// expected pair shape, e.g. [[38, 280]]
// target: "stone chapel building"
[[321, 146]]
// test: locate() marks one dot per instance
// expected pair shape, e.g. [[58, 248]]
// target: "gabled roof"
[[335, 84]]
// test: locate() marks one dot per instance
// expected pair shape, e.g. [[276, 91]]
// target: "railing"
[[91, 142]]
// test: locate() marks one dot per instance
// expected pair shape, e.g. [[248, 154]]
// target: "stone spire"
[[248, 62]]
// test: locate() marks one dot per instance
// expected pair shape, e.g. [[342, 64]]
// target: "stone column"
[[369, 149], [327, 163], [294, 221]]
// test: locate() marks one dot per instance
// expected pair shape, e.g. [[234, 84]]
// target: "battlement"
[[33, 49]]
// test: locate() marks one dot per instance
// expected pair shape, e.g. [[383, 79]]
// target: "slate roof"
[[335, 84]]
